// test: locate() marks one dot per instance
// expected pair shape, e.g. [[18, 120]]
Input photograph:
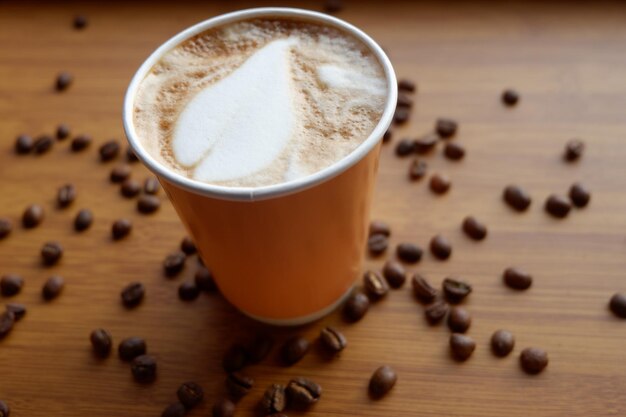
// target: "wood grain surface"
[[567, 60]]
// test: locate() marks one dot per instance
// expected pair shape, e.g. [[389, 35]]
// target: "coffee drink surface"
[[259, 102]]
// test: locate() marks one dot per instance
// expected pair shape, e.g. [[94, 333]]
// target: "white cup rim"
[[270, 191]]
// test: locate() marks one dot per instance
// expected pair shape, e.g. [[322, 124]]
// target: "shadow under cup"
[[288, 253]]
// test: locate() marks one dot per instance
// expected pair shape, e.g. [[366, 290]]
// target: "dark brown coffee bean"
[[440, 247], [274, 400], [222, 408], [10, 285], [454, 151], [435, 312], [557, 206], [63, 81], [151, 185], [6, 226], [18, 310], [425, 144], [174, 263], [533, 360], [4, 409], [121, 228], [377, 244], [80, 21], [294, 349], [148, 204], [53, 287], [517, 278], [235, 358], [130, 188], [51, 253], [187, 246], [333, 6], [80, 143], [446, 128], [462, 346], [120, 173], [356, 306], [303, 393], [144, 369], [406, 85], [204, 279], [474, 228], [375, 285], [618, 305], [510, 97], [333, 340], [24, 144], [378, 227], [404, 100], [401, 115], [109, 150], [66, 195], [190, 394], [456, 290], [574, 150], [579, 195], [63, 131], [131, 347], [188, 291], [178, 410], [387, 136], [132, 295], [394, 273], [382, 381], [83, 220], [409, 253], [405, 147], [7, 320], [101, 342], [43, 144], [502, 343], [33, 216], [417, 169], [422, 289], [131, 156], [238, 385], [439, 183], [516, 197], [259, 348], [459, 319]]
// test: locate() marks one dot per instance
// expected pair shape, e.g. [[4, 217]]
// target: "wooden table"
[[568, 62]]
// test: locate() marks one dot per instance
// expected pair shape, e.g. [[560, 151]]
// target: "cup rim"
[[274, 190]]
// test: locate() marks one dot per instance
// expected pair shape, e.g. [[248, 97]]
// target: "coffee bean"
[[274, 399], [144, 369], [422, 289], [43, 144], [131, 156], [174, 263], [64, 79], [375, 285], [178, 410], [440, 247], [80, 143], [259, 348], [404, 100], [303, 393], [18, 310], [618, 305], [387, 136], [121, 228], [579, 195], [462, 346], [204, 280], [378, 227], [66, 195], [446, 128], [557, 206], [24, 144], [439, 183], [4, 409], [333, 6], [151, 185], [405, 147], [188, 291], [101, 342], [235, 358], [417, 169], [533, 360], [10, 285], [377, 244], [130, 188], [51, 253], [356, 306], [132, 295], [454, 151], [401, 115], [6, 226], [456, 290], [148, 204], [394, 273], [53, 287], [510, 97], [516, 197], [120, 173], [109, 150], [131, 347], [190, 394], [333, 340], [574, 150], [382, 381], [83, 220], [294, 349], [459, 319], [63, 131], [409, 253], [502, 343], [425, 144], [222, 408], [80, 21], [32, 216], [238, 385], [187, 246], [517, 278], [406, 85], [474, 228], [435, 312], [7, 320]]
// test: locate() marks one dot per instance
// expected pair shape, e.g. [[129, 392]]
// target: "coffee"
[[259, 102]]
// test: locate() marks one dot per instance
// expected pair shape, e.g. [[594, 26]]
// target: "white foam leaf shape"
[[337, 77], [242, 123]]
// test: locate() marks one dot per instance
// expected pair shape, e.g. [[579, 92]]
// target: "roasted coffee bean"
[[43, 144], [188, 291], [131, 347], [510, 97], [502, 343], [63, 131], [187, 246], [517, 278], [435, 312], [80, 21], [401, 115], [446, 128], [148, 204], [7, 320], [378, 227], [18, 310], [456, 290], [4, 409], [151, 185], [425, 144], [274, 399], [356, 306], [66, 195], [574, 150], [109, 150], [6, 226], [394, 273], [303, 393], [462, 346], [235, 358], [51, 253], [24, 144], [417, 169], [377, 244], [120, 173], [63, 81], [294, 349], [204, 279], [406, 85], [404, 100], [238, 385], [533, 360], [405, 147], [382, 381], [454, 151], [387, 136], [618, 305], [131, 156], [10, 285], [557, 206], [579, 195], [178, 410], [190, 394], [459, 319], [174, 263], [439, 183], [516, 197], [80, 143], [333, 340], [222, 408], [53, 287], [474, 228], [409, 253], [422, 289], [132, 295], [259, 348], [130, 188], [101, 342], [333, 6], [83, 220], [121, 228], [144, 369], [440, 247], [375, 285], [33, 216]]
